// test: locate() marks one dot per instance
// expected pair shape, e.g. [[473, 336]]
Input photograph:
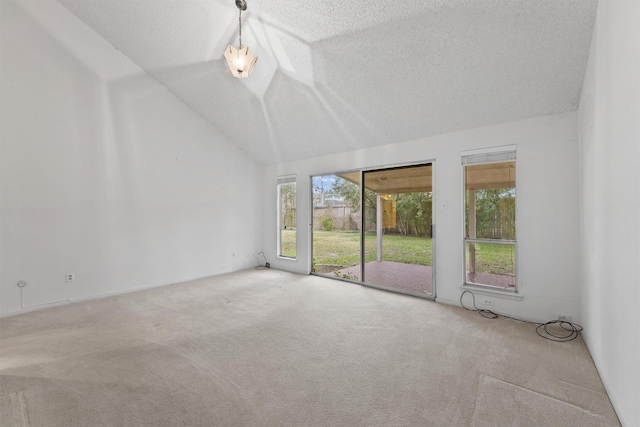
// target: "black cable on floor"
[[570, 331], [260, 266]]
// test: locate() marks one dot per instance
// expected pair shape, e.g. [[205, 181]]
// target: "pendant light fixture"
[[241, 62]]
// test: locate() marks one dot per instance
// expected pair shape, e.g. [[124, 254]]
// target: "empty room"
[[319, 213]]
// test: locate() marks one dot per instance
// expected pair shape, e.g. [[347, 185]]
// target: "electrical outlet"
[[71, 277], [564, 317], [488, 301]]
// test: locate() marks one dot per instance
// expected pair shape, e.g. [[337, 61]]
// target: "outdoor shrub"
[[327, 223]]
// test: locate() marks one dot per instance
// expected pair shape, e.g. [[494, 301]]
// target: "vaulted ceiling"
[[334, 75]]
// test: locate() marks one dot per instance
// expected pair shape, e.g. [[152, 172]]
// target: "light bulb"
[[240, 63]]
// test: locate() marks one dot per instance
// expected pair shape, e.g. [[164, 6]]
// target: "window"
[[287, 216], [490, 219]]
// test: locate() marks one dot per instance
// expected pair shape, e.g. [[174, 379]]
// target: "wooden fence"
[[341, 218]]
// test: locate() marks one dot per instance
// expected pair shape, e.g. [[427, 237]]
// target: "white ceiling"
[[337, 75]]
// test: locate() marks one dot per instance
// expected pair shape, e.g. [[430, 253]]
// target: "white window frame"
[[487, 156]]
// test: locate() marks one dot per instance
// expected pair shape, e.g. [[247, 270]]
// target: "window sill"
[[483, 290]]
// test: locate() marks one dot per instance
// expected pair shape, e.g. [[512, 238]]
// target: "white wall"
[[547, 208], [610, 192], [105, 173]]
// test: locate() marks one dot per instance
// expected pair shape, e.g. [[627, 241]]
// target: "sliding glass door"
[[375, 227], [398, 241]]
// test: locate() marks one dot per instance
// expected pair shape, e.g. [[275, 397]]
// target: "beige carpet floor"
[[269, 348]]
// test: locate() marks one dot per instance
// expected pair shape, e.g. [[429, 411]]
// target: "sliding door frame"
[[363, 282], [362, 172]]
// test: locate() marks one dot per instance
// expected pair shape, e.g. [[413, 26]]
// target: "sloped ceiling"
[[335, 75]]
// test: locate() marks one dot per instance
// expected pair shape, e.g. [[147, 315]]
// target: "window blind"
[[286, 179], [498, 156]]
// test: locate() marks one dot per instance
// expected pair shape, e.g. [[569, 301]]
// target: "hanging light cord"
[[240, 26]]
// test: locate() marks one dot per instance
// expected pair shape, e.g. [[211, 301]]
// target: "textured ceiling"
[[334, 75]]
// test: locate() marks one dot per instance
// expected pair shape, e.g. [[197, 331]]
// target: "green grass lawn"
[[494, 258], [288, 242], [342, 249]]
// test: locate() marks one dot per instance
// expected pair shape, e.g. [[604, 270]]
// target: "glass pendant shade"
[[241, 62]]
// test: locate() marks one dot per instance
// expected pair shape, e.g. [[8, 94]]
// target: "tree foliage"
[[414, 213], [413, 209], [495, 213], [350, 192]]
